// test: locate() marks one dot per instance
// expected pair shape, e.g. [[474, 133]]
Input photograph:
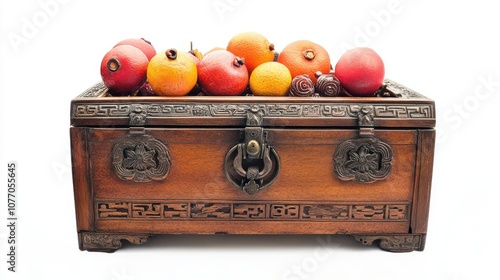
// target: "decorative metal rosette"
[[364, 160], [141, 158]]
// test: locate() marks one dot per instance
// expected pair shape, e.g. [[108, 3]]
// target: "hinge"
[[254, 134], [365, 121], [137, 130], [138, 114], [364, 159]]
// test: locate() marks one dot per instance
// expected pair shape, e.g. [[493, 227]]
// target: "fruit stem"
[[113, 65], [171, 54], [271, 47], [308, 54], [238, 61]]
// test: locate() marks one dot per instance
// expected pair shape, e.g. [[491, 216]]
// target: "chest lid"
[[396, 107]]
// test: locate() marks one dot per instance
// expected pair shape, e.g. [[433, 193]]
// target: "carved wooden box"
[[252, 165]]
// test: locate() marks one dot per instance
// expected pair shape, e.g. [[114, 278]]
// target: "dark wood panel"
[[423, 180], [81, 180]]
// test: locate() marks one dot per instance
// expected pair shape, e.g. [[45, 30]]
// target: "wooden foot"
[[394, 242], [108, 242]]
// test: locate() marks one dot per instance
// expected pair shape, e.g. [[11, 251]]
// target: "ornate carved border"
[[403, 91], [93, 105], [395, 242], [94, 91], [257, 211], [285, 110]]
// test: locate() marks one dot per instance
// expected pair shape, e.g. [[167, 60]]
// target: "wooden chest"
[[252, 165]]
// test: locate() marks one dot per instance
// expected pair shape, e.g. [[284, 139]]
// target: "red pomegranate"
[[220, 72], [123, 69], [360, 71]]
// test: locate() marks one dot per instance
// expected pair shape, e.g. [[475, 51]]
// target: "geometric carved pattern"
[[326, 212], [397, 111], [92, 105], [210, 210], [113, 210], [285, 211], [251, 211], [398, 212], [175, 210], [146, 210], [368, 212], [285, 110]]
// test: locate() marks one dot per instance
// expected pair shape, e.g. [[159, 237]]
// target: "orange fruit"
[[123, 69], [270, 78], [253, 47], [172, 73], [222, 73], [305, 57]]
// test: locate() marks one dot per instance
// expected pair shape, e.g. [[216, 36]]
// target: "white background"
[[448, 51]]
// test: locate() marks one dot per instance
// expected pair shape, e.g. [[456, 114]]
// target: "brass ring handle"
[[253, 164], [248, 175], [268, 165], [238, 161]]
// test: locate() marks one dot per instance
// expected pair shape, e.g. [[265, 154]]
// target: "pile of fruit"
[[249, 65]]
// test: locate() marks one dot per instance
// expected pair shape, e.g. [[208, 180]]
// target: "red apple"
[[360, 71]]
